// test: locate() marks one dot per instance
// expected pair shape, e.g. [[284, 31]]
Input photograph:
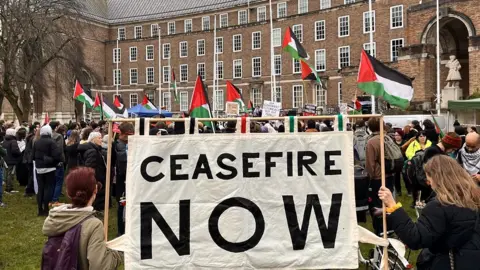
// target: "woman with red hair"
[[82, 188]]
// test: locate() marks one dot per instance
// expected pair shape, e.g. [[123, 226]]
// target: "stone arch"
[[451, 14]]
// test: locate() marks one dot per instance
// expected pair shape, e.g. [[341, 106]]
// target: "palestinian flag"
[[250, 106], [81, 95], [111, 111], [293, 46], [120, 106], [309, 73], [104, 109], [174, 86], [358, 105], [234, 95], [47, 119], [381, 81], [148, 104], [199, 108], [437, 127]]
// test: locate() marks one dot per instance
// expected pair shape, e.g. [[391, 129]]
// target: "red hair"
[[81, 184]]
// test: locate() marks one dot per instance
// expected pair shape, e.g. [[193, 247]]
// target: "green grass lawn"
[[21, 239]]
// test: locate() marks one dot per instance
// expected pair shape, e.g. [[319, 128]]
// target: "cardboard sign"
[[310, 109], [271, 108], [241, 202], [232, 108]]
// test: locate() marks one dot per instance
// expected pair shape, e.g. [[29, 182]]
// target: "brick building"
[[332, 31]]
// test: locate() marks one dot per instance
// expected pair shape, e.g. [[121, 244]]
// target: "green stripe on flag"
[[291, 120], [340, 122], [377, 89]]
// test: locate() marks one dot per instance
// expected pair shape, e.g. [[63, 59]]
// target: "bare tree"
[[37, 37]]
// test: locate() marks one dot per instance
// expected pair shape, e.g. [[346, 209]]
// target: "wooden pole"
[[107, 181], [384, 212]]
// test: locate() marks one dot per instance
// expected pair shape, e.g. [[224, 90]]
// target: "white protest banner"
[[271, 108], [231, 201]]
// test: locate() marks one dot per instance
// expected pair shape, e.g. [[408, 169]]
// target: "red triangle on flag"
[[98, 102], [47, 119], [366, 73], [78, 89], [145, 100], [233, 93], [199, 98]]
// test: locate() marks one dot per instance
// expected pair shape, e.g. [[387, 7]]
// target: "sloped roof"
[[125, 11]]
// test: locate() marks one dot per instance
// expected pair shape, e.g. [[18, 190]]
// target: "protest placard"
[[232, 108], [310, 109], [241, 202], [271, 108]]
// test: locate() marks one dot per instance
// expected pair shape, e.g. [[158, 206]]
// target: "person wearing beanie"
[[450, 143]]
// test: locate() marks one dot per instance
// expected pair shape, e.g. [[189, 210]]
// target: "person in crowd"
[[102, 126], [360, 138], [121, 148], [21, 170], [471, 129], [469, 155], [311, 126], [3, 154], [82, 189], [408, 133], [231, 127], [398, 139], [11, 160], [389, 130], [456, 123], [84, 135], [447, 229], [460, 131], [58, 136], [46, 155], [93, 158], [281, 129], [430, 131], [419, 144], [450, 143], [416, 125], [28, 159], [71, 150]]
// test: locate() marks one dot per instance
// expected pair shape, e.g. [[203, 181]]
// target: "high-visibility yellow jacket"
[[414, 147]]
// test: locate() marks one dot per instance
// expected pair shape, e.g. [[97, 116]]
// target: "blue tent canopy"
[[141, 111]]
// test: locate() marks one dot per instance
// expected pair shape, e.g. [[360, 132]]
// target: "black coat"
[[121, 168], [441, 228], [92, 157], [28, 153], [432, 135], [13, 152], [71, 155], [46, 154]]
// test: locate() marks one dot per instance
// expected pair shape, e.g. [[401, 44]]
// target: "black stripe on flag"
[[389, 73]]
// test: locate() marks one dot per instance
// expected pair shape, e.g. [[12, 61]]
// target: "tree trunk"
[[2, 97]]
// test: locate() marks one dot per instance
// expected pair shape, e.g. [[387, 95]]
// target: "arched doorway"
[[455, 30]]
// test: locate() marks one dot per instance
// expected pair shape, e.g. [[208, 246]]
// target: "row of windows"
[[320, 65], [396, 20]]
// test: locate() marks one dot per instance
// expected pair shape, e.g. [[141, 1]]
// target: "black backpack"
[[415, 170]]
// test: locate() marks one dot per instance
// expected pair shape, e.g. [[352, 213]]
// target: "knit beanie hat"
[[452, 141]]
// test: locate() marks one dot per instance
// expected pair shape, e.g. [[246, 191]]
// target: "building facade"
[[135, 46]]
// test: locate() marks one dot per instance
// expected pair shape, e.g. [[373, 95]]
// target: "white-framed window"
[[117, 55], [167, 101], [166, 74], [256, 97], [206, 23], [237, 69], [320, 60], [277, 37], [297, 96], [183, 49], [261, 14], [154, 30], [150, 53], [256, 67], [171, 28], [320, 30], [366, 47], [339, 92], [219, 100], [282, 10], [242, 17], [324, 4], [395, 45], [277, 94], [219, 46], [220, 70], [256, 40], [396, 17], [133, 54], [133, 76], [166, 50], [297, 67], [343, 56], [183, 97], [121, 35], [184, 73], [201, 70], [349, 2], [150, 78], [187, 25], [138, 32], [237, 43], [366, 21], [223, 20], [298, 31], [302, 6], [200, 47], [320, 96], [133, 100], [117, 77], [277, 62], [344, 26]]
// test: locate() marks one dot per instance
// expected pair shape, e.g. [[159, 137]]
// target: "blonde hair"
[[452, 183], [73, 138]]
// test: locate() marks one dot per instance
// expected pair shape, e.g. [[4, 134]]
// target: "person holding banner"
[[448, 229]]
